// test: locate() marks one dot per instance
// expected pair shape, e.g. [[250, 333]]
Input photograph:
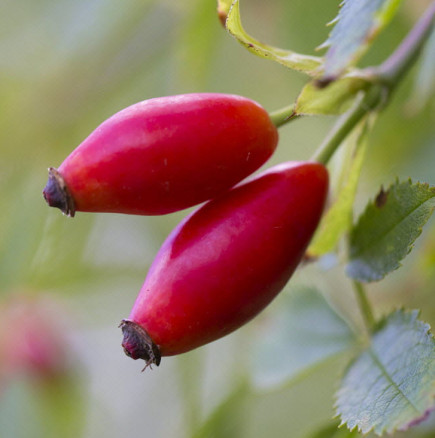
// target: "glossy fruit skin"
[[226, 261], [163, 155]]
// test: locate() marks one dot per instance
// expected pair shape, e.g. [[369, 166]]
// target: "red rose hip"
[[163, 155], [226, 261]]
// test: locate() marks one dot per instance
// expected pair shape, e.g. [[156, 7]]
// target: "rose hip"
[[163, 155], [226, 261]]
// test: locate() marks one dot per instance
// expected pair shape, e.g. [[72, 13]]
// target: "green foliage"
[[357, 24], [391, 385], [66, 66], [336, 98], [303, 63], [299, 343], [338, 219], [386, 231]]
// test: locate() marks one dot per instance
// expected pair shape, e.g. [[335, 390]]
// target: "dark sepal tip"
[[138, 344], [56, 193]]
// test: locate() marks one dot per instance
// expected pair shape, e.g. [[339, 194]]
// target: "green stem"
[[364, 305], [345, 124], [390, 72], [282, 116]]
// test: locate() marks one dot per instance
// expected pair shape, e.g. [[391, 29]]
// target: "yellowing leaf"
[[304, 63], [338, 219]]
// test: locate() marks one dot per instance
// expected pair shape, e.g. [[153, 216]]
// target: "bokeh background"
[[65, 284]]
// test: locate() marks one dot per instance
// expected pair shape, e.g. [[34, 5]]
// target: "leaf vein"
[[387, 376], [406, 215]]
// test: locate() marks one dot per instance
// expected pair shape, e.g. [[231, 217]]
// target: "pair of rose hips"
[[227, 260]]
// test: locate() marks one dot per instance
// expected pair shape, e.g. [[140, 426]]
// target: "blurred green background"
[[65, 284]]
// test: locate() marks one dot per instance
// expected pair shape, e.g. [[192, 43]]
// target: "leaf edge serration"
[[381, 324], [354, 272]]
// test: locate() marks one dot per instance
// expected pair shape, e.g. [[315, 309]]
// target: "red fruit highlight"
[[226, 262], [164, 155]]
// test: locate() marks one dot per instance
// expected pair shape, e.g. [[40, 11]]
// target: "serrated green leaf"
[[391, 385], [388, 228], [338, 219], [357, 24], [303, 63], [305, 332], [336, 98]]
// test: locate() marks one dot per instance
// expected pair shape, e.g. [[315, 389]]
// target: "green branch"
[[384, 79], [391, 71], [363, 105], [365, 306]]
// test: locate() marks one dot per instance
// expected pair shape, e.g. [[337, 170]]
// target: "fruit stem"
[[283, 115], [364, 103], [365, 306]]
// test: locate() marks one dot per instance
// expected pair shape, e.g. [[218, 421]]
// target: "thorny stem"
[[364, 305]]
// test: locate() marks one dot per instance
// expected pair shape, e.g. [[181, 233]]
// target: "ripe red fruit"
[[226, 261], [163, 155]]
